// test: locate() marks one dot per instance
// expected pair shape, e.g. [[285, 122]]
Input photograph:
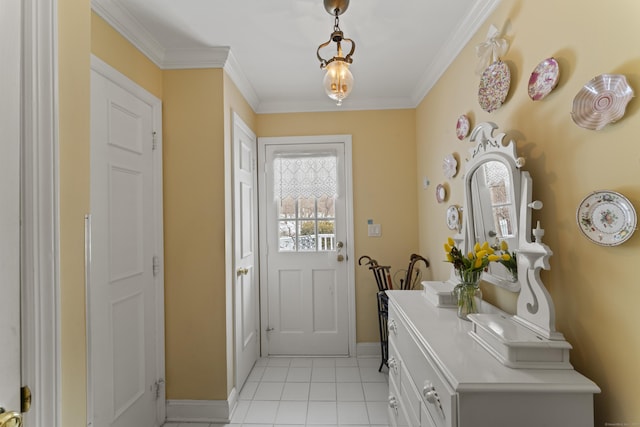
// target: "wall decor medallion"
[[494, 86], [449, 166], [441, 193], [544, 79], [606, 218], [462, 127], [601, 101]]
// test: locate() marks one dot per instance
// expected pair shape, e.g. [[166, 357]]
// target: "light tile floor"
[[317, 392]]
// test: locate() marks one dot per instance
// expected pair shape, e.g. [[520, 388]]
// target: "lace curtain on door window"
[[308, 176]]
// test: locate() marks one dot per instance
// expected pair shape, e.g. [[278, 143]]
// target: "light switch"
[[374, 230]]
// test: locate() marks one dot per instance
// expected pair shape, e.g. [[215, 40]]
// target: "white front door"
[[125, 315], [247, 320], [10, 107], [306, 238]]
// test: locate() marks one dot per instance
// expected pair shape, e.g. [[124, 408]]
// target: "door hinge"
[[25, 399], [154, 143], [156, 265], [157, 386]]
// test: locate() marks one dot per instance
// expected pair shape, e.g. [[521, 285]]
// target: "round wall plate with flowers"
[[494, 86], [544, 79], [449, 166], [453, 217], [606, 218], [462, 127]]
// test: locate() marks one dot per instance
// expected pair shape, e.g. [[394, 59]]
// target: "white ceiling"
[[268, 47]]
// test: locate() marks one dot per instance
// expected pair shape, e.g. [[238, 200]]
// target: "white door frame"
[[40, 206], [297, 140], [130, 86]]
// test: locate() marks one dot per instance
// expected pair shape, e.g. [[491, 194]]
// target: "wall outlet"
[[374, 230]]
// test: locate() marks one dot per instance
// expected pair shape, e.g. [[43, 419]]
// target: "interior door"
[[305, 229], [126, 370], [10, 107], [247, 318]]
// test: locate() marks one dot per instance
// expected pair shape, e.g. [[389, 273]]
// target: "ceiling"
[[268, 47]]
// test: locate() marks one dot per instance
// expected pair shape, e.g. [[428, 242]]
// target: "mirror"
[[492, 199], [494, 212]]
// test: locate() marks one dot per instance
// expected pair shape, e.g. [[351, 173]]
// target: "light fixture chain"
[[336, 25]]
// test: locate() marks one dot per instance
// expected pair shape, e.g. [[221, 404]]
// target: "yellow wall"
[[194, 234], [108, 45], [594, 287], [73, 137], [384, 188]]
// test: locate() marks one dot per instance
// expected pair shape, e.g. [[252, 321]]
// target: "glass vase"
[[468, 293]]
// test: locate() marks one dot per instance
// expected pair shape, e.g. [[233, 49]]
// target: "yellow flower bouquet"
[[508, 259], [469, 268]]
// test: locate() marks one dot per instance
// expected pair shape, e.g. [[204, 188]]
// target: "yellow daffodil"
[[447, 248], [451, 242], [481, 254], [506, 257], [494, 257], [504, 246], [478, 263], [485, 246], [471, 255], [449, 258], [490, 251], [476, 247]]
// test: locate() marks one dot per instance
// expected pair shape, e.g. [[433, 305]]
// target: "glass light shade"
[[338, 81]]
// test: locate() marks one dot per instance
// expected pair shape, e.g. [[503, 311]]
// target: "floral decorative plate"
[[494, 86], [453, 217], [462, 127], [441, 193], [601, 101], [544, 79], [606, 218], [449, 166]]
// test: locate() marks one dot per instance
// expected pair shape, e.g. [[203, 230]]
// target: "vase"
[[468, 292]]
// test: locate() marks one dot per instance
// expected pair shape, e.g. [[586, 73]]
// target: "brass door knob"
[[10, 419]]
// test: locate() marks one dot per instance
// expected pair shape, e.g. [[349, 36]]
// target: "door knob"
[[10, 419], [241, 272]]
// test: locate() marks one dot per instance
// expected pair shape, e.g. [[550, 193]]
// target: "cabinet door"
[[425, 418]]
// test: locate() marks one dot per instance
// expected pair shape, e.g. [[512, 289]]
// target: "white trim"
[[117, 15], [368, 349], [130, 86], [348, 159], [40, 190], [477, 15], [209, 411]]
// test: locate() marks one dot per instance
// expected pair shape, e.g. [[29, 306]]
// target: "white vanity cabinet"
[[439, 376]]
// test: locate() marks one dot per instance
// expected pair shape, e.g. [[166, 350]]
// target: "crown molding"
[[450, 50], [195, 57], [242, 83], [130, 28]]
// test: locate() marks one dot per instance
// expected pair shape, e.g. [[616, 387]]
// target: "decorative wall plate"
[[441, 193], [453, 217], [544, 79], [449, 166], [601, 101], [494, 86], [606, 218], [462, 127]]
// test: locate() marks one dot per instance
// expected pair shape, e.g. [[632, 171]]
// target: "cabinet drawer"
[[438, 396], [394, 362], [396, 410]]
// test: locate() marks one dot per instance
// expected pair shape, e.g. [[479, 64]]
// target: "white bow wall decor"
[[491, 49]]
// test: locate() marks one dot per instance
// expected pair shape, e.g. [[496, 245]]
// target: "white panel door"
[[306, 232], [123, 293], [10, 106], [247, 320]]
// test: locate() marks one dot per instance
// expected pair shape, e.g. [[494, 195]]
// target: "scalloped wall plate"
[[601, 101]]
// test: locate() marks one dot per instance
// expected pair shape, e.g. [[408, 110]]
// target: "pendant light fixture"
[[338, 81]]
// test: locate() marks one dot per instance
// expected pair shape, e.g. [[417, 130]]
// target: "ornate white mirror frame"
[[533, 325]]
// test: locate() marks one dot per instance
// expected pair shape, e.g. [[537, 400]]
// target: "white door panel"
[[305, 263], [123, 292], [245, 228], [10, 105]]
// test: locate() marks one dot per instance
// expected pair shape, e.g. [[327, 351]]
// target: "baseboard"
[[211, 411], [368, 349]]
